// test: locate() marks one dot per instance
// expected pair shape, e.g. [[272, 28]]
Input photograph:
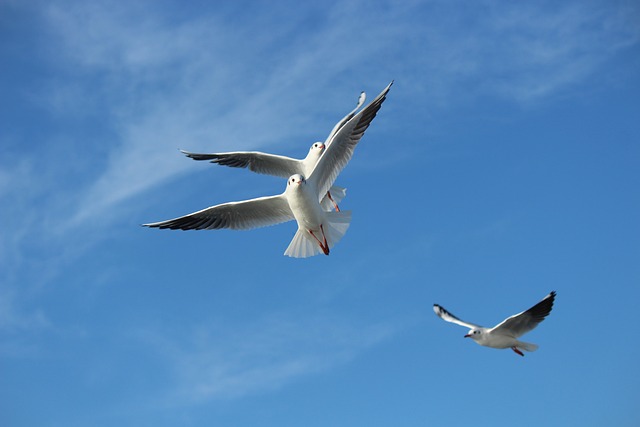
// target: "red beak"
[[467, 336]]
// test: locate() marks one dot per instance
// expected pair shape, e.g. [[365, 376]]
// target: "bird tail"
[[336, 227], [304, 245], [337, 194], [527, 346]]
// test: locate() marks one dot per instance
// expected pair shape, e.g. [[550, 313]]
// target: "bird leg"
[[323, 245], [514, 348], [332, 201]]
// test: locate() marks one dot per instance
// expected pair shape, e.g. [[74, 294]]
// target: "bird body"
[[318, 230], [506, 333]]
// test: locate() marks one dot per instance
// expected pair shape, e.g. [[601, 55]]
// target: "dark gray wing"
[[341, 147], [448, 317], [521, 323], [268, 164], [243, 215]]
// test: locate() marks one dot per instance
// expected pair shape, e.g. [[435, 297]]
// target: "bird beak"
[[467, 336]]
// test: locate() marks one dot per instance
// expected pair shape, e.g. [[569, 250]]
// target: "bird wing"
[[521, 323], [340, 149], [268, 164], [345, 119], [448, 317], [243, 215]]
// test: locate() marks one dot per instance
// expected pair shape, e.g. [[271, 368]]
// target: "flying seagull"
[[272, 164], [318, 230], [505, 334]]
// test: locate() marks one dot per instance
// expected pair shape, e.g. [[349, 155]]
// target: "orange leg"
[[514, 348], [334, 203], [323, 245]]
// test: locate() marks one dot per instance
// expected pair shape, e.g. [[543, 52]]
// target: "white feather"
[[337, 194]]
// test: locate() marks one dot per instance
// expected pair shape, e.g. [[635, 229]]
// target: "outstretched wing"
[[448, 317], [340, 149], [268, 164], [521, 323], [243, 215], [345, 119]]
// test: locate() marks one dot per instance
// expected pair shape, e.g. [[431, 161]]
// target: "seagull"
[[282, 166], [318, 230], [506, 333]]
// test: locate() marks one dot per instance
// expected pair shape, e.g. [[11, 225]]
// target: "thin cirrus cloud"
[[520, 52], [209, 82], [159, 102], [211, 363], [163, 82], [213, 81]]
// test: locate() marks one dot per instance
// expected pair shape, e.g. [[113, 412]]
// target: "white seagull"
[[505, 334], [318, 230], [282, 166]]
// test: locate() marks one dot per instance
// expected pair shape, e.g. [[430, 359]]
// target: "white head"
[[475, 334], [317, 146], [295, 180], [315, 152]]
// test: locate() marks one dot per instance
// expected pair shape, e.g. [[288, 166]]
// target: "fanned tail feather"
[[336, 226], [527, 346], [337, 194], [303, 245]]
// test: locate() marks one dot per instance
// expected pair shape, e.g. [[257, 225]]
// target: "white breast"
[[306, 209]]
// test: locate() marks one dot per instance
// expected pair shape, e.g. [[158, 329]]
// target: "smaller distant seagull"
[[282, 166], [505, 334]]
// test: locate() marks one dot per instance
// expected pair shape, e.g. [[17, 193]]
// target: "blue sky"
[[504, 164]]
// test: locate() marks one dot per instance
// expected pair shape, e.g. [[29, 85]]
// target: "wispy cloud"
[[519, 52], [203, 82], [152, 80], [210, 363], [206, 82]]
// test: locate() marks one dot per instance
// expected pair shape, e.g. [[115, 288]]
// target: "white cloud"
[[211, 363], [219, 81], [166, 86], [206, 82], [518, 51]]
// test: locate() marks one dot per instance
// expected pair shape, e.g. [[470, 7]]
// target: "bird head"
[[315, 152], [474, 334], [317, 146], [295, 180]]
